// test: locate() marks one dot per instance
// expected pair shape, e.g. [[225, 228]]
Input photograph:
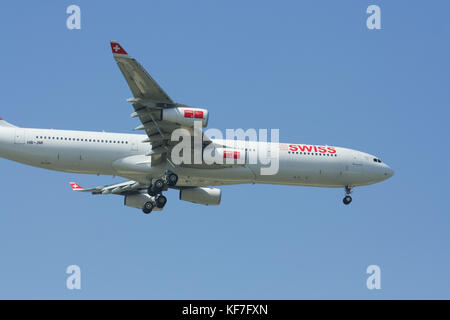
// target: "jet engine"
[[200, 195], [185, 116]]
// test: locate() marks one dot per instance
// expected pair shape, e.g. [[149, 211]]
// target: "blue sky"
[[311, 69]]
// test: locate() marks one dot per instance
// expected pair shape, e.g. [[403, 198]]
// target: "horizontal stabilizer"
[[118, 188], [76, 187]]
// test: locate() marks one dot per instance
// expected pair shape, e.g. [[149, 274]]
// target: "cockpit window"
[[376, 160]]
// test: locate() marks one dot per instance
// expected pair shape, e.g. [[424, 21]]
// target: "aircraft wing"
[[140, 82], [148, 102], [122, 188]]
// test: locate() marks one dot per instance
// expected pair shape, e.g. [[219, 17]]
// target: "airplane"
[[145, 160]]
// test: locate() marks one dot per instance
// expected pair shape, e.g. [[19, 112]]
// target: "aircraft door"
[[134, 145], [355, 167], [19, 136]]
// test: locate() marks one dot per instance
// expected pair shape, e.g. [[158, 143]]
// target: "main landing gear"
[[155, 191], [171, 179], [156, 187], [160, 201], [148, 207], [347, 199]]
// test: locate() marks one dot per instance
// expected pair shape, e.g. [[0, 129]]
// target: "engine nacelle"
[[138, 200], [200, 195], [185, 116]]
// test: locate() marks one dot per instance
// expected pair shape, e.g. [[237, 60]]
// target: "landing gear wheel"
[[156, 187], [148, 207], [347, 200], [151, 192], [161, 201], [172, 179]]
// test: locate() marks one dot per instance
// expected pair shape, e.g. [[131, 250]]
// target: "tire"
[[172, 179], [158, 185], [347, 200], [148, 207], [161, 201], [151, 192]]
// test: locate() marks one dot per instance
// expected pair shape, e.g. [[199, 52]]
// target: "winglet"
[[75, 186], [117, 49]]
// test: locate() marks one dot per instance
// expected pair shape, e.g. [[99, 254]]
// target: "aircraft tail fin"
[[3, 123]]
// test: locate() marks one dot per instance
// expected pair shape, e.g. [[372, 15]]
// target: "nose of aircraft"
[[388, 172]]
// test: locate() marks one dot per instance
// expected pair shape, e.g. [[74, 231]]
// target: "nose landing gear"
[[347, 199]]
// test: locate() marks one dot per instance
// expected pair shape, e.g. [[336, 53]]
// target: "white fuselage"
[[124, 155]]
